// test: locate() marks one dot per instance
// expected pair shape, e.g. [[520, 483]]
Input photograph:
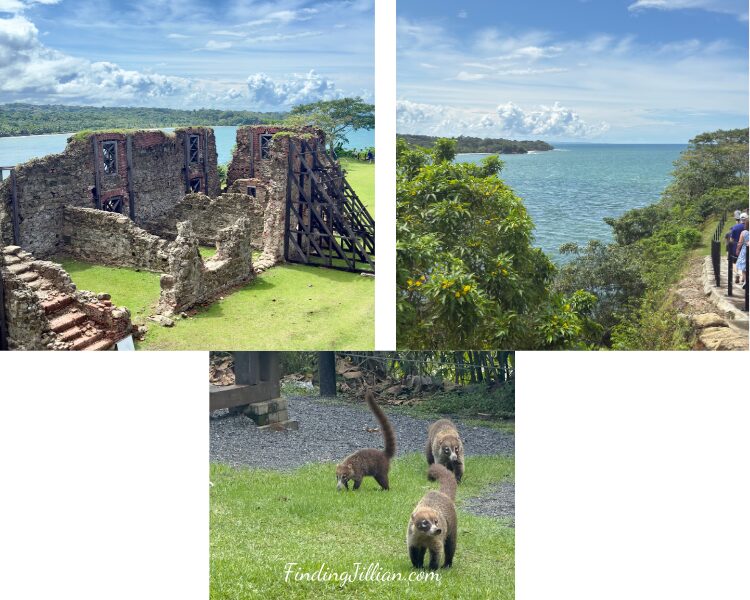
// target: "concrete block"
[[277, 404], [278, 416], [257, 408]]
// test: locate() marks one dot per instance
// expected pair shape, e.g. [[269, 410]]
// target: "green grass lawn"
[[136, 290], [361, 176], [261, 520], [289, 307]]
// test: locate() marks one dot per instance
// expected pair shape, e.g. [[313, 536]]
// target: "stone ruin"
[[138, 199]]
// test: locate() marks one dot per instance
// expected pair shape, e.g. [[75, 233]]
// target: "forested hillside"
[[483, 145], [631, 277], [31, 119]]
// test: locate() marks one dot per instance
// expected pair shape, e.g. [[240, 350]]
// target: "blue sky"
[[573, 70], [240, 54]]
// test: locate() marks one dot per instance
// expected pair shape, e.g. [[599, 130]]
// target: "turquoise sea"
[[568, 191], [14, 150]]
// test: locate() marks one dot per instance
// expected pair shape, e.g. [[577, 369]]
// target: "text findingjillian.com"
[[361, 572]]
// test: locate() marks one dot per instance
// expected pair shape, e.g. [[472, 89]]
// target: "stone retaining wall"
[[210, 215], [108, 238]]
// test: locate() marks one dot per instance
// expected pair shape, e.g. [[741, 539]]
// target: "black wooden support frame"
[[186, 166], [97, 174], [326, 223], [257, 379], [129, 174], [13, 204], [14, 208]]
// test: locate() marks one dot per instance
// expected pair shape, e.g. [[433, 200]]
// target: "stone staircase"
[[69, 319]]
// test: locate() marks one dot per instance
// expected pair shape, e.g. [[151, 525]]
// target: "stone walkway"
[[719, 321]]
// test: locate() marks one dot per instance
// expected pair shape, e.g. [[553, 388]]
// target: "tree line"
[[467, 144], [32, 119]]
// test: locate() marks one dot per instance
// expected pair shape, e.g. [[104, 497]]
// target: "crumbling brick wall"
[[108, 238], [190, 281], [156, 181], [248, 159], [43, 187], [208, 215], [45, 311]]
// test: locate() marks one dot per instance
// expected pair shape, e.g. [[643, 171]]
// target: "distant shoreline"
[[475, 145]]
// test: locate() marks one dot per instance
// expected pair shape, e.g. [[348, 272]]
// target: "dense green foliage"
[[475, 144], [33, 119], [467, 274], [334, 117], [632, 276]]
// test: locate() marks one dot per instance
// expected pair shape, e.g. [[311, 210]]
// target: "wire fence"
[[463, 367]]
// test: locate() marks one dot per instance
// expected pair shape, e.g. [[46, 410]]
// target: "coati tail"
[[385, 425], [438, 472]]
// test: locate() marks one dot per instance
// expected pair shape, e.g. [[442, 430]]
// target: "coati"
[[433, 524], [445, 447], [369, 461]]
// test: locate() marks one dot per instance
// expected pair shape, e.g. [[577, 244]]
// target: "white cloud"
[[31, 72], [464, 76], [509, 120], [283, 17], [214, 45], [462, 14], [309, 87], [734, 7], [18, 6]]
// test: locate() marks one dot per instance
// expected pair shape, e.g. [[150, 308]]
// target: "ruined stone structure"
[[186, 279], [190, 281], [208, 215], [44, 311], [321, 220], [142, 175], [106, 238], [147, 199]]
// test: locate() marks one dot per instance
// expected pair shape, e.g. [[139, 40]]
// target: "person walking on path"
[[734, 235], [742, 254]]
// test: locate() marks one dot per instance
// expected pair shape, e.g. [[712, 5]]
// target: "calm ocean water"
[[568, 191], [14, 150]]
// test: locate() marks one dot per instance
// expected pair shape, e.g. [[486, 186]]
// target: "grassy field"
[[289, 307], [261, 520], [361, 176]]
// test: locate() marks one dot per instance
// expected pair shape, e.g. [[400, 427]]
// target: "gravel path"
[[329, 432], [498, 502]]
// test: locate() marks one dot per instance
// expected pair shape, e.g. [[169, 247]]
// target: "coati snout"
[[444, 446], [428, 526], [450, 450], [344, 473]]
